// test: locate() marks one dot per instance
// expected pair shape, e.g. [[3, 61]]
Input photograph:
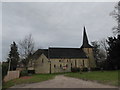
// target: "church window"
[[83, 63], [60, 65], [75, 63], [88, 50], [67, 60], [54, 66], [42, 61], [59, 60]]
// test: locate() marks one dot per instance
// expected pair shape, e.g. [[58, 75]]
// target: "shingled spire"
[[85, 40]]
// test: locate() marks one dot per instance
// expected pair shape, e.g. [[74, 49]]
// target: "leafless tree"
[[104, 45], [100, 52], [26, 49], [116, 14]]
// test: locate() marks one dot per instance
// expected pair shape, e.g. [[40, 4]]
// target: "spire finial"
[[84, 27]]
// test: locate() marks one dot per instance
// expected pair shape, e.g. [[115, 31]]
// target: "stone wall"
[[42, 65], [89, 52], [60, 65], [65, 65], [79, 63], [12, 75]]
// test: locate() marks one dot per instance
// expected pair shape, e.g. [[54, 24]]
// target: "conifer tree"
[[113, 52], [13, 57], [114, 42]]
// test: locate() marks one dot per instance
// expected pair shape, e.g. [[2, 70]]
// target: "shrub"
[[4, 69], [85, 69], [75, 69], [24, 73], [31, 71], [95, 69]]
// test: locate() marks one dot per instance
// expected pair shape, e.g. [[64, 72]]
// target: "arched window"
[[75, 63], [60, 65], [71, 64], [42, 60], [66, 65], [59, 60], [88, 50], [83, 63], [54, 66]]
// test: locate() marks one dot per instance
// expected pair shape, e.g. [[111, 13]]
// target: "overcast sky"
[[55, 24]]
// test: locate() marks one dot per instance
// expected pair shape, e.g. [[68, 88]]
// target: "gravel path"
[[61, 81]]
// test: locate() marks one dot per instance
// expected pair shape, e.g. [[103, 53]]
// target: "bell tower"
[[88, 49]]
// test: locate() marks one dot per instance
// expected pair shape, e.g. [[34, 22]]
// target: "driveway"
[[62, 81]]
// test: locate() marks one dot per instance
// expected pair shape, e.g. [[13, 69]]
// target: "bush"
[[95, 69], [24, 73], [4, 69], [85, 69], [31, 71], [75, 69]]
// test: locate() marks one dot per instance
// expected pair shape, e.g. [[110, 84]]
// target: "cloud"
[[55, 24]]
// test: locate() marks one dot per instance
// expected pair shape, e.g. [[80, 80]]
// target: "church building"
[[56, 60]]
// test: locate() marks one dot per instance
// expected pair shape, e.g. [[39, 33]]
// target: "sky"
[[55, 24]]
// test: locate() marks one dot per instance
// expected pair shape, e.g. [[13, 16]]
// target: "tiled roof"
[[66, 53], [39, 52], [54, 53]]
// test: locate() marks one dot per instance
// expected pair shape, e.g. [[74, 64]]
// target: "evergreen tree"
[[114, 42], [113, 52], [13, 57]]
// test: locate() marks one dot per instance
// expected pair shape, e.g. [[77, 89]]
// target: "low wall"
[[11, 75], [20, 69]]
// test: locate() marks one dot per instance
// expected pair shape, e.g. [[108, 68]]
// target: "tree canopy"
[[113, 52]]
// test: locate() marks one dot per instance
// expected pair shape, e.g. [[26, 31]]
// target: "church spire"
[[85, 40]]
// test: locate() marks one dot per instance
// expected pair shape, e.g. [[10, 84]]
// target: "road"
[[62, 81]]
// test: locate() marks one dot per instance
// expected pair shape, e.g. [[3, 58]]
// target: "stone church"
[[55, 60]]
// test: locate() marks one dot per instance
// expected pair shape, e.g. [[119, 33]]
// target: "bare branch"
[[26, 46]]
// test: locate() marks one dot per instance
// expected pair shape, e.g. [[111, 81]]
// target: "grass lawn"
[[105, 77], [28, 79]]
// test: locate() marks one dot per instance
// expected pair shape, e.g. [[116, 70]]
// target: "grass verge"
[[28, 79], [105, 77]]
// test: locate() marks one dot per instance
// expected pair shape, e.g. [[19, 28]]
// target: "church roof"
[[66, 53], [85, 40], [37, 54], [56, 53]]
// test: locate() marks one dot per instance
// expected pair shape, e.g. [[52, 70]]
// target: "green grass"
[[33, 79], [105, 77]]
